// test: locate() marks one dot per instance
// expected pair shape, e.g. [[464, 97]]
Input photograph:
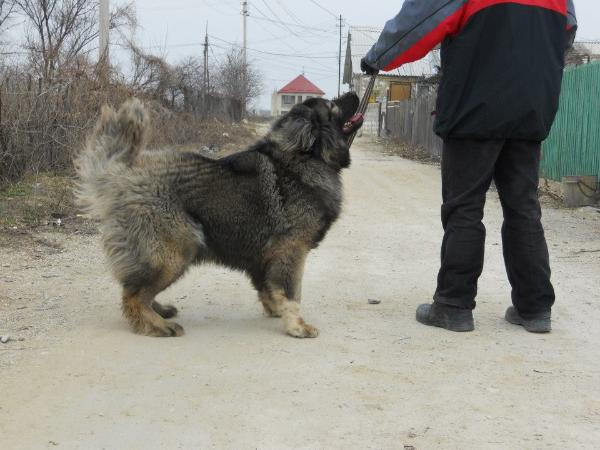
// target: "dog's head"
[[315, 129]]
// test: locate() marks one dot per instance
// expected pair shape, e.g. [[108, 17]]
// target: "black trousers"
[[468, 168]]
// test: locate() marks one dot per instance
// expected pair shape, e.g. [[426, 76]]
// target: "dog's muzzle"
[[353, 124]]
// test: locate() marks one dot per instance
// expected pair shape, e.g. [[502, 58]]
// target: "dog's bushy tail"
[[112, 148]]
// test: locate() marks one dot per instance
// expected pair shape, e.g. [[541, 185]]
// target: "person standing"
[[502, 66]]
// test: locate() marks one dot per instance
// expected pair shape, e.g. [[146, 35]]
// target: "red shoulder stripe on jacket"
[[448, 26], [454, 23]]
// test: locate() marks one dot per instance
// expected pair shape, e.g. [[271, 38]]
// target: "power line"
[[276, 38], [281, 24], [323, 8], [212, 51], [279, 39], [290, 13], [322, 30], [286, 55], [282, 55], [277, 62], [279, 18]]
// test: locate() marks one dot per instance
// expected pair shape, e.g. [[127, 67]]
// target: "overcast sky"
[[177, 26], [302, 33]]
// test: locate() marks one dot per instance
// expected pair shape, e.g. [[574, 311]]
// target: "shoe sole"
[[544, 325], [464, 328]]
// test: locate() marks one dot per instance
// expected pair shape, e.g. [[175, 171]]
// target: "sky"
[[285, 37], [303, 33]]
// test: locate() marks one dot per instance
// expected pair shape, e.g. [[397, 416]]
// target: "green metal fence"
[[573, 147]]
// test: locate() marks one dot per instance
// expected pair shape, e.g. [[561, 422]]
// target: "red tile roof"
[[301, 85]]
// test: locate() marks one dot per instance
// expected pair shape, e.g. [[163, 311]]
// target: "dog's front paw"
[[301, 329]]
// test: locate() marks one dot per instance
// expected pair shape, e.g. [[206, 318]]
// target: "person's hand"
[[366, 68]]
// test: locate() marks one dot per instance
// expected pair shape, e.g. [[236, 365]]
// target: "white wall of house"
[[282, 103]]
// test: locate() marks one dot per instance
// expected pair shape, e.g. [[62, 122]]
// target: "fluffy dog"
[[259, 211]]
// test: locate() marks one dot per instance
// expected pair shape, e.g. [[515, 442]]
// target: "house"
[[399, 84], [583, 52], [296, 91]]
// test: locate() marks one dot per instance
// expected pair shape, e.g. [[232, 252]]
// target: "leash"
[[357, 120]]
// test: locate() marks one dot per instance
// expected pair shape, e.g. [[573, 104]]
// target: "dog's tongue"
[[353, 124]]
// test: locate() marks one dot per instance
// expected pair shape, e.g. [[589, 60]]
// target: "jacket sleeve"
[[571, 23], [417, 29]]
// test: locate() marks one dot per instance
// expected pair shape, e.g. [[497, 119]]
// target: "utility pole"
[[245, 15], [340, 59], [349, 44], [104, 30], [104, 24], [206, 87]]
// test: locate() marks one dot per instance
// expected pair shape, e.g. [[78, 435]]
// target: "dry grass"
[[44, 202], [42, 127], [35, 201], [36, 205], [411, 152]]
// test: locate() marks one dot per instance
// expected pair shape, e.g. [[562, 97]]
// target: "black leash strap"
[[364, 104]]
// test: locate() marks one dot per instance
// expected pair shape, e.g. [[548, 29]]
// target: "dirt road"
[[374, 379]]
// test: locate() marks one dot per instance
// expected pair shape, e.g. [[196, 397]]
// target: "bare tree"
[[178, 87], [150, 74], [7, 8], [188, 83], [60, 31], [238, 80]]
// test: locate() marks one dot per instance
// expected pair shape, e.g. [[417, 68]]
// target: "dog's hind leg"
[[147, 259], [170, 260], [144, 313], [282, 294], [164, 311], [143, 318]]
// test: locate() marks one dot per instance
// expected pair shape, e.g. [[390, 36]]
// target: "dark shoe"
[[540, 323], [453, 319]]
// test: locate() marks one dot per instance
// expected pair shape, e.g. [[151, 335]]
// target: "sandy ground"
[[374, 379]]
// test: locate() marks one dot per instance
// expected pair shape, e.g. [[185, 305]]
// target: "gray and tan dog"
[[259, 211]]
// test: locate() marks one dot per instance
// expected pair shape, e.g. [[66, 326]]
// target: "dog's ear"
[[348, 104], [295, 131]]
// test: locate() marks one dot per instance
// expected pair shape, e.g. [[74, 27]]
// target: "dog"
[[259, 211]]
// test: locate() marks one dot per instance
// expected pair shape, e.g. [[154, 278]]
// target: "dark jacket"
[[502, 61]]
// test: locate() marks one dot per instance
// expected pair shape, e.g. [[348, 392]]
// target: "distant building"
[[398, 84], [583, 52], [296, 91]]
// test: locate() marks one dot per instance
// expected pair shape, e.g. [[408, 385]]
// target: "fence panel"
[[372, 120], [573, 147], [411, 122]]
